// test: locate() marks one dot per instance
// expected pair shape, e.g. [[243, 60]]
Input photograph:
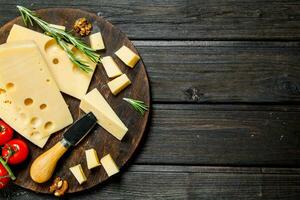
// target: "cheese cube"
[[111, 68], [109, 165], [32, 103], [69, 78], [128, 56], [94, 102], [92, 158], [118, 84], [78, 173], [96, 41], [58, 26]]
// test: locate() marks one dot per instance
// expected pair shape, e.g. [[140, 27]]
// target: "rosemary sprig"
[[5, 165], [62, 38], [139, 106]]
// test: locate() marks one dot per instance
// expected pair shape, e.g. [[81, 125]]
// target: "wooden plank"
[[238, 135], [187, 71], [192, 19], [182, 182]]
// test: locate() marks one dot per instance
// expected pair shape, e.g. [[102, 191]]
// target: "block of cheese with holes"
[[8, 113], [30, 99], [69, 78], [94, 102]]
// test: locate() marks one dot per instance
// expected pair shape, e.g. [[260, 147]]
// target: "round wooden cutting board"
[[101, 140]]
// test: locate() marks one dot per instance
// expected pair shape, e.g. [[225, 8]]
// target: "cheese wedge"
[[58, 26], [94, 102], [69, 78], [109, 165], [127, 56], [78, 173], [118, 84], [92, 158], [30, 101], [96, 41], [111, 68]]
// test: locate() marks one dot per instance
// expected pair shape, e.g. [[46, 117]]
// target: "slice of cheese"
[[78, 173], [128, 56], [92, 158], [118, 84], [109, 165], [96, 41], [107, 118], [69, 78], [58, 26], [111, 68], [31, 94], [9, 113]]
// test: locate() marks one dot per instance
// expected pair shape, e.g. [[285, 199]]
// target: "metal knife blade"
[[79, 129]]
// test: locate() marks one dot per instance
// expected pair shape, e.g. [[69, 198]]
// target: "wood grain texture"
[[182, 182], [99, 139], [251, 78], [235, 135], [189, 19], [210, 72]]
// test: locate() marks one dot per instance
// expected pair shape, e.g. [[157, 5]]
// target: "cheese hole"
[[28, 101], [75, 69], [9, 86], [47, 80], [35, 122], [55, 61], [43, 106], [48, 125], [23, 116], [18, 109], [34, 133], [2, 91]]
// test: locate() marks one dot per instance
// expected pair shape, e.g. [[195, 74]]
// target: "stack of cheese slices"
[[33, 72]]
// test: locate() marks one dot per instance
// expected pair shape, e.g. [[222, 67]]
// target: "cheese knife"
[[44, 165]]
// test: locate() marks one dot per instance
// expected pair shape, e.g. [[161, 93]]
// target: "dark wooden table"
[[225, 83]]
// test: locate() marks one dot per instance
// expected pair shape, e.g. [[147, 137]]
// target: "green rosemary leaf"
[[62, 38], [138, 105]]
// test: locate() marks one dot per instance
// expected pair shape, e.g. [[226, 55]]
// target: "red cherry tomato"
[[16, 151], [4, 176], [6, 132]]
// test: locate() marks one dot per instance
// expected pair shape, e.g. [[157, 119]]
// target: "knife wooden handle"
[[43, 166]]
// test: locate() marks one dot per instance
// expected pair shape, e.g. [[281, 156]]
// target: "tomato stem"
[[7, 176], [2, 128], [10, 150], [5, 165]]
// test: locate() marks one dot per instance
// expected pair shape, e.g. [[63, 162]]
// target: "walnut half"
[[55, 185], [59, 187], [62, 190], [83, 27]]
